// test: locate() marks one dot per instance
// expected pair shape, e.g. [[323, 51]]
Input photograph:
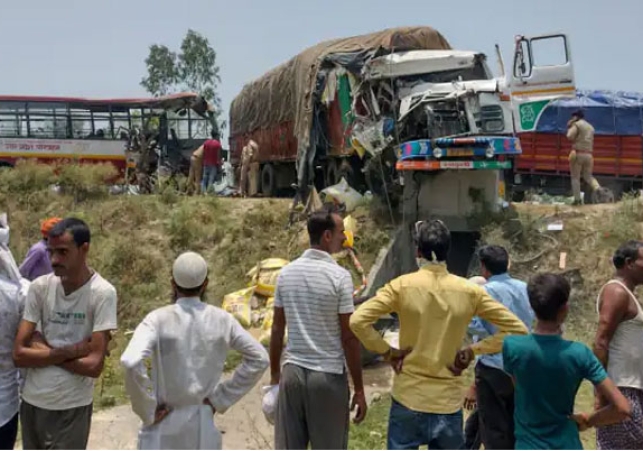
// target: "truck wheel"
[[268, 187]]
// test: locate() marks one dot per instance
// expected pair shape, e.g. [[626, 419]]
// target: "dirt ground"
[[243, 426]]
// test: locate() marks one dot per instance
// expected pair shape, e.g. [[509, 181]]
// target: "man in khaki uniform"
[[249, 168], [581, 134], [196, 171]]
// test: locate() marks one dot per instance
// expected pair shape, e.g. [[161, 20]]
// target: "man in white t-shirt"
[[74, 310]]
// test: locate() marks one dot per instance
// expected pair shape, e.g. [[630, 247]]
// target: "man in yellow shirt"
[[435, 309]]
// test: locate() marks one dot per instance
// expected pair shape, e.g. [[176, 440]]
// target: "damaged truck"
[[400, 113]]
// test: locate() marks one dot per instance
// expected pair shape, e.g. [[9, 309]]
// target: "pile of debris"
[[253, 306]]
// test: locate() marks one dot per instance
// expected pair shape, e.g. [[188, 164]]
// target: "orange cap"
[[48, 224]]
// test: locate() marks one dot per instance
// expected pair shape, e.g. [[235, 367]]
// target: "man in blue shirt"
[[494, 387]]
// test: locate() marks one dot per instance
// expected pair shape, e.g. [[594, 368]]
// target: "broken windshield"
[[477, 72]]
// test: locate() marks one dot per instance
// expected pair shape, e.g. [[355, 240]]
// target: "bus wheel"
[[268, 187]]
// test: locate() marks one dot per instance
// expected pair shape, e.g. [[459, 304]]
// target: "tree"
[[194, 68], [162, 76]]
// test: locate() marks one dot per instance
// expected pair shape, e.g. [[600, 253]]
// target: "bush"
[[26, 177], [85, 182], [625, 224]]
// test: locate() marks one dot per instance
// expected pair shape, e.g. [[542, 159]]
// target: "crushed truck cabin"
[[402, 114]]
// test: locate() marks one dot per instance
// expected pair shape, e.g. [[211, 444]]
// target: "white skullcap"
[[478, 280], [190, 270]]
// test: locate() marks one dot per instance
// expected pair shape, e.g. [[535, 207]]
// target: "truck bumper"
[[487, 152]]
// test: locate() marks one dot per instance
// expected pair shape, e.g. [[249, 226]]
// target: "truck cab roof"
[[418, 62]]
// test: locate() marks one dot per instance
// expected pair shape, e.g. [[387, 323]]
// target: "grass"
[[371, 434], [232, 361], [136, 238]]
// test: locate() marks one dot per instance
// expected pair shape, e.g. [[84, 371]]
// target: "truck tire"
[[268, 181]]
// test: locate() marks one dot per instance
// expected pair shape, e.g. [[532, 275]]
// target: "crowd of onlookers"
[[58, 314]]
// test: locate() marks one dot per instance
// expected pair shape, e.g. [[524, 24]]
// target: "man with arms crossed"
[[74, 310]]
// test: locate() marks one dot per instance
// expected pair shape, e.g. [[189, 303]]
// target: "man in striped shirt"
[[314, 298]]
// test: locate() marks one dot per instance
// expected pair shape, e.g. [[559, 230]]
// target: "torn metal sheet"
[[428, 92], [370, 136], [419, 62]]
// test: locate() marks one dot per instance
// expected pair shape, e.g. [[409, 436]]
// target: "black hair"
[[548, 293], [495, 259], [579, 114], [77, 228], [318, 223], [433, 237], [214, 134], [627, 251]]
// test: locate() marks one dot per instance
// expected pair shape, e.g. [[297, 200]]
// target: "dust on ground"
[[243, 426]]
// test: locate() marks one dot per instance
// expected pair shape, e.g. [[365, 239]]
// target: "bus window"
[[180, 124], [13, 119], [102, 125], [139, 117], [121, 121], [151, 121], [81, 123], [8, 125], [47, 120], [199, 126]]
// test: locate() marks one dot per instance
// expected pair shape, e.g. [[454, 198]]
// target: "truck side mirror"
[[522, 59]]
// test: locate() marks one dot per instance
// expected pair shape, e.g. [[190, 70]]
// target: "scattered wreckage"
[[168, 134], [400, 113]]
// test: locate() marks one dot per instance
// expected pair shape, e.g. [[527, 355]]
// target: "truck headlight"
[[492, 118], [437, 152], [489, 153]]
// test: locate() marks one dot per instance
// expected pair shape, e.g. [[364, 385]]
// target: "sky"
[[95, 48]]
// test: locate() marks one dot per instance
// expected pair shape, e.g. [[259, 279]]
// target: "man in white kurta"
[[187, 343]]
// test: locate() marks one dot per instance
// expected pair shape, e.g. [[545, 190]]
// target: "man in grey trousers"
[[314, 298]]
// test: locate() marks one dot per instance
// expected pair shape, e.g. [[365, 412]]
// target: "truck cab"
[[456, 123]]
